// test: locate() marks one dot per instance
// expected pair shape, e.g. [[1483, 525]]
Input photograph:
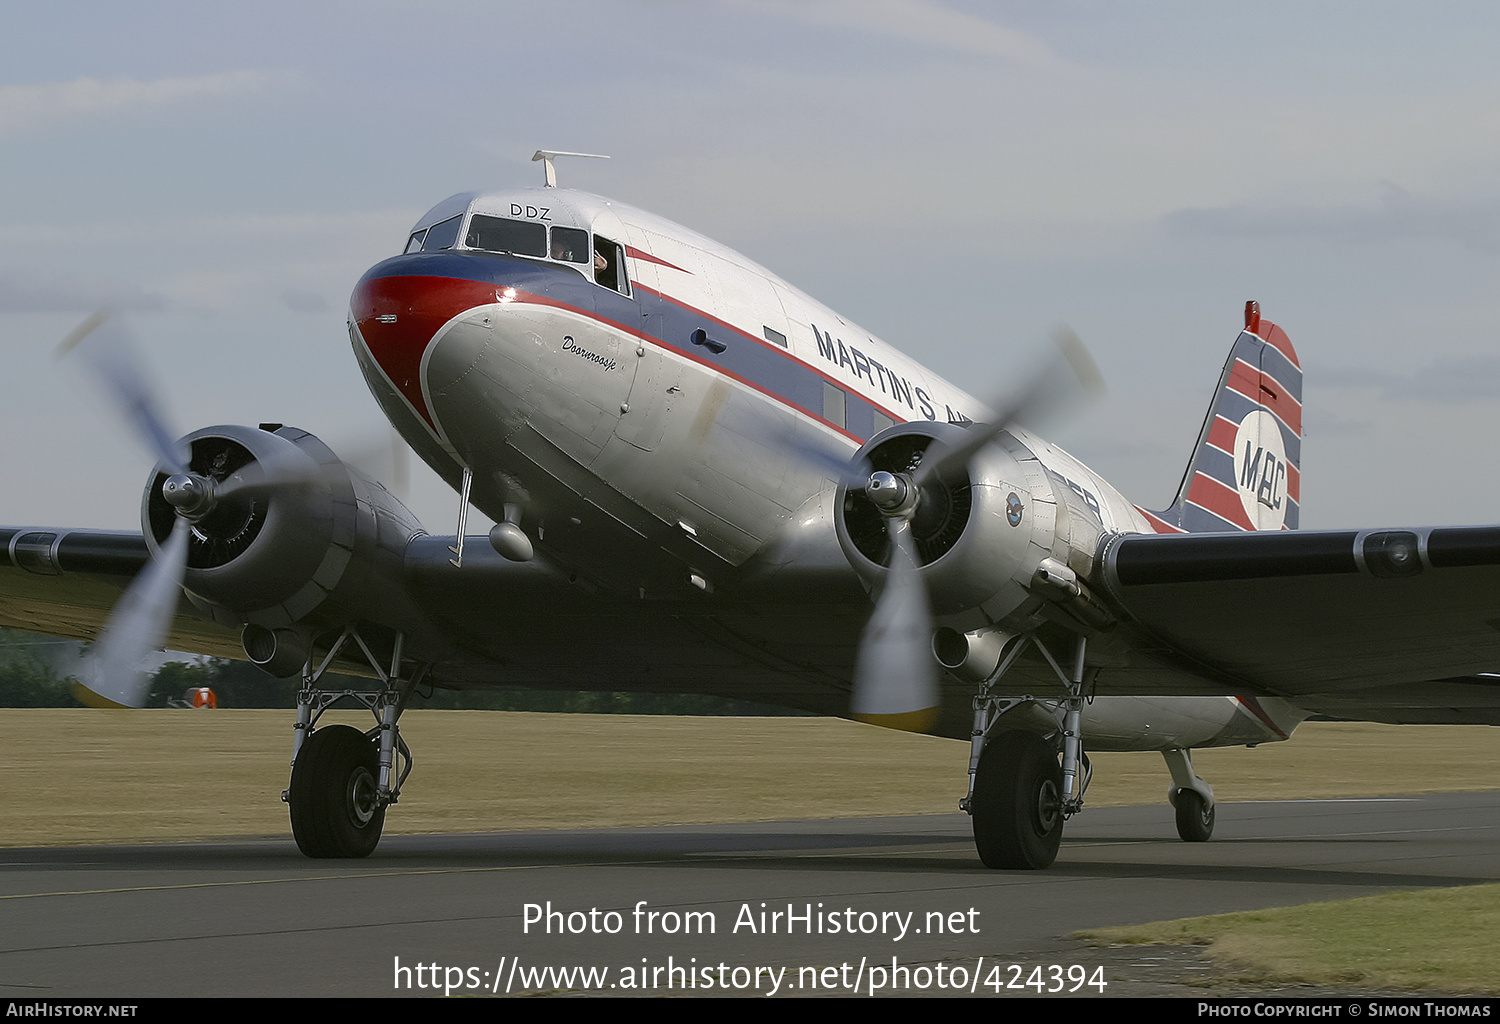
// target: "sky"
[[957, 177]]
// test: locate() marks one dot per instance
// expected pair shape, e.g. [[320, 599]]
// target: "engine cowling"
[[996, 541], [299, 542]]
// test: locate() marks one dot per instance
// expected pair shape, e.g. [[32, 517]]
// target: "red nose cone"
[[398, 316]]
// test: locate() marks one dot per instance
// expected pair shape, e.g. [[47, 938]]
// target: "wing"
[[1384, 625], [784, 636], [65, 582]]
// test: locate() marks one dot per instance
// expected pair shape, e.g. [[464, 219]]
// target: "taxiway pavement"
[[472, 914]]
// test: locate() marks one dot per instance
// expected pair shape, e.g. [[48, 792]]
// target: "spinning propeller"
[[895, 676], [111, 674], [207, 498]]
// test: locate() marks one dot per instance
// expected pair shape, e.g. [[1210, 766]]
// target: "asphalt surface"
[[860, 901]]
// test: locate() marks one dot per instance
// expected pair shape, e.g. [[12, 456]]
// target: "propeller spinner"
[[921, 498]]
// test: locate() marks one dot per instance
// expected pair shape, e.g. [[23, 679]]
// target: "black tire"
[[1017, 806], [1195, 816], [333, 794]]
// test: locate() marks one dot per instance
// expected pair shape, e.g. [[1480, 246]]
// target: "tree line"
[[38, 672]]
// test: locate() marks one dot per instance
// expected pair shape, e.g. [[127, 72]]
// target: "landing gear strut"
[[1019, 795], [342, 779], [1191, 796]]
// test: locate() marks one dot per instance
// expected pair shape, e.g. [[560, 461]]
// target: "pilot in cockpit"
[[561, 249], [604, 270]]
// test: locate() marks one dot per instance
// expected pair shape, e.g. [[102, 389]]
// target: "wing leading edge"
[[784, 637]]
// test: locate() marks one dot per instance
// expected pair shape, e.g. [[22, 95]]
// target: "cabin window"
[[774, 337], [442, 235], [571, 245], [497, 234], [882, 421], [609, 265], [833, 405]]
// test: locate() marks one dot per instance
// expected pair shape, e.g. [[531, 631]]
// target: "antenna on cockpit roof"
[[548, 155]]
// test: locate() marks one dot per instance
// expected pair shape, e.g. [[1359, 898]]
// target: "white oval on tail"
[[1260, 470]]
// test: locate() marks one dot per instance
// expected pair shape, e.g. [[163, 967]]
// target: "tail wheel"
[[1017, 804], [1195, 816], [334, 795]]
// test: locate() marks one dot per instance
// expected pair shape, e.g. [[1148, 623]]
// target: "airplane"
[[704, 481]]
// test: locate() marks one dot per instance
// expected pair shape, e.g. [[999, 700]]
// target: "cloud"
[[362, 227], [338, 225], [1396, 215], [25, 107], [1447, 380], [299, 300], [33, 291], [917, 21], [301, 261]]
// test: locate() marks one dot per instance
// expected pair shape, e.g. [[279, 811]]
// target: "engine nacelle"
[[298, 542], [996, 540]]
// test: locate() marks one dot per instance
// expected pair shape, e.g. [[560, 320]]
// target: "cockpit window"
[[520, 237], [609, 265], [414, 243], [570, 245], [441, 235]]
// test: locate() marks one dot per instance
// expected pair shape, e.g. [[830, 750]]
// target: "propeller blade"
[[1065, 376], [385, 458], [822, 454], [895, 677], [259, 478], [400, 465], [111, 354], [112, 673]]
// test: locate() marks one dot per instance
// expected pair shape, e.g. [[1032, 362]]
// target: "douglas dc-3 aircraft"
[[700, 475]]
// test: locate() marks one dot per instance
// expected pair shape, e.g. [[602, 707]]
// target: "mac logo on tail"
[[1260, 470]]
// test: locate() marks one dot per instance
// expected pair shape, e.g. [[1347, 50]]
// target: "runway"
[[804, 906]]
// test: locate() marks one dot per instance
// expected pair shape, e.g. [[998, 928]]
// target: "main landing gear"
[[1019, 793], [1023, 785], [343, 779]]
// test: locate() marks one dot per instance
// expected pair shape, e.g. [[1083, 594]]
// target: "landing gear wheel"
[[1017, 804], [334, 794], [1195, 816]]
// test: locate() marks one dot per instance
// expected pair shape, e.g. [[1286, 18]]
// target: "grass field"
[[1434, 940], [87, 776]]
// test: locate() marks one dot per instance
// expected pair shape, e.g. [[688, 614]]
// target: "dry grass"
[[88, 776]]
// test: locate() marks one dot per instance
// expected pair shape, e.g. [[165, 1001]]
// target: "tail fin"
[[1245, 473]]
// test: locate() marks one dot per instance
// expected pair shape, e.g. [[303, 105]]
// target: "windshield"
[[497, 234]]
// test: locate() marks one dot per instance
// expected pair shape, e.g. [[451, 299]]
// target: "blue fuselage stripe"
[[656, 318]]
